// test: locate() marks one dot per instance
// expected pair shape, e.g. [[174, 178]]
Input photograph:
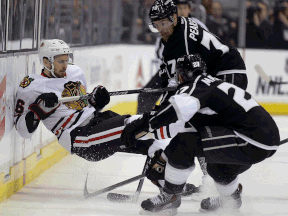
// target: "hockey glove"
[[45, 105], [100, 97], [134, 128], [156, 169], [162, 71]]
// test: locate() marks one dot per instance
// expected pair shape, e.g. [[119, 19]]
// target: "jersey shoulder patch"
[[26, 81]]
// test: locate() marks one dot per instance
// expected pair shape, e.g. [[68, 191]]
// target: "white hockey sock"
[[177, 176], [229, 189]]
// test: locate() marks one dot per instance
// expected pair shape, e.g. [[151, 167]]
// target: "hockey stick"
[[283, 141], [128, 181], [112, 187], [115, 93], [264, 76], [115, 197]]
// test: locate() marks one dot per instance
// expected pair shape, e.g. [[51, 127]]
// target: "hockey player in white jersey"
[[80, 126]]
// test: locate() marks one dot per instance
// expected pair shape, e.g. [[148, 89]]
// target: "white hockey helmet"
[[51, 48]]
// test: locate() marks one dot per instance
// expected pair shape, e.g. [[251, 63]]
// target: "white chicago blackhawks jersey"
[[67, 116]]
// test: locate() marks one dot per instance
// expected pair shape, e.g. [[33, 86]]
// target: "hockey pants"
[[101, 138], [224, 162]]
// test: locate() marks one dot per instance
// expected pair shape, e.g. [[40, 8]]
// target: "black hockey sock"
[[172, 188]]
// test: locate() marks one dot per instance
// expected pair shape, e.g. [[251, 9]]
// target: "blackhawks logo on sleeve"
[[26, 81], [74, 89]]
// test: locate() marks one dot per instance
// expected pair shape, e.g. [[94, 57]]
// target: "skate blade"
[[193, 197], [221, 210], [166, 212], [204, 211]]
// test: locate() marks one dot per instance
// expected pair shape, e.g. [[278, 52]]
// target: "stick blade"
[[261, 73], [121, 198]]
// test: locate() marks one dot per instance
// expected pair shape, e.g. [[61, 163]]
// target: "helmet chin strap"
[[51, 70]]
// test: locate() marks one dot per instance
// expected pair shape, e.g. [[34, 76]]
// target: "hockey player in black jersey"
[[160, 80], [234, 131], [183, 36]]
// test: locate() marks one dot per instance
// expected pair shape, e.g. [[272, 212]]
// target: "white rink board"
[[13, 147]]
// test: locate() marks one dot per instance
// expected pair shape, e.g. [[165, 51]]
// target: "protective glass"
[[160, 25]]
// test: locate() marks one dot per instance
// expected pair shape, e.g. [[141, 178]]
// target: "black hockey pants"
[[227, 155], [100, 138]]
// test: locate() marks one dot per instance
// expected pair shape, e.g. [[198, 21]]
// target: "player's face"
[[180, 79], [183, 10], [178, 72], [60, 65], [165, 27]]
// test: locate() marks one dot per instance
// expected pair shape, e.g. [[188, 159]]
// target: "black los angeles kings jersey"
[[208, 101], [190, 38]]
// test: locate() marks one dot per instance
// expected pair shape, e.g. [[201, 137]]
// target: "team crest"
[[74, 89], [26, 82]]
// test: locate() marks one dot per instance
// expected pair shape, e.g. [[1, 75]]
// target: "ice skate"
[[162, 204], [216, 203]]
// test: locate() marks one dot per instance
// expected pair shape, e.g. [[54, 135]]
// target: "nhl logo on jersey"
[[74, 89], [26, 82]]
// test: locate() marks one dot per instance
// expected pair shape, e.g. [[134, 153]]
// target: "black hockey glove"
[[163, 71], [100, 97], [134, 128], [45, 105], [156, 169]]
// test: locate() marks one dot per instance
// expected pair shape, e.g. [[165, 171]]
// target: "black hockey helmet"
[[181, 2], [162, 9], [189, 66]]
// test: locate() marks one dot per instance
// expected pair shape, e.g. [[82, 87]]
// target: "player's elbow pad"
[[185, 106]]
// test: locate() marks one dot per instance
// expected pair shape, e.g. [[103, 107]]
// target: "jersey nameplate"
[[209, 79], [26, 82], [193, 27]]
